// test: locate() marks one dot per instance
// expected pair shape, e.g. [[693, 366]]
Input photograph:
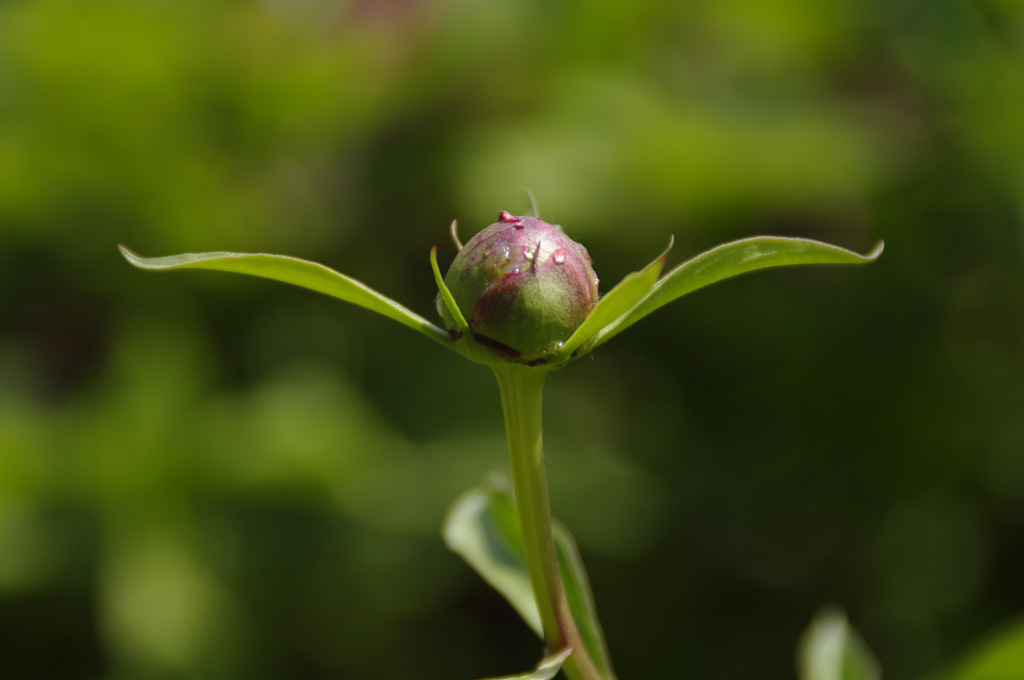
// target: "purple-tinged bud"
[[523, 286]]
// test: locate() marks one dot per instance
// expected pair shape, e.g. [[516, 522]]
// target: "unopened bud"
[[523, 286]]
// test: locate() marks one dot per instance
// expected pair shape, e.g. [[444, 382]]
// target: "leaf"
[[581, 600], [832, 650], [999, 657], [545, 670], [446, 295], [733, 259], [615, 304], [296, 272], [483, 528]]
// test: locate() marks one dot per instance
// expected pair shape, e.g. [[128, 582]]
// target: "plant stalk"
[[521, 399]]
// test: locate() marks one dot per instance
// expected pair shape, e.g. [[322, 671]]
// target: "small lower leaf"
[[483, 527], [545, 670], [831, 649]]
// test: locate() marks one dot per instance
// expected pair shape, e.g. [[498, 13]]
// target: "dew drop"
[[528, 252], [558, 256]]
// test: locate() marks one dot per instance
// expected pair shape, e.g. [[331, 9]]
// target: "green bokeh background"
[[208, 476]]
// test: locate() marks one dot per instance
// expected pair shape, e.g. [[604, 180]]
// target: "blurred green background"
[[208, 476]]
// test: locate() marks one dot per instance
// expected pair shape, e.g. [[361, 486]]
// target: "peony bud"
[[523, 286]]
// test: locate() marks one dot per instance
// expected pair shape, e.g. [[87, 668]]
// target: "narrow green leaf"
[[545, 670], [297, 272], [581, 600], [733, 259], [482, 527], [999, 657], [615, 304], [446, 295], [831, 650]]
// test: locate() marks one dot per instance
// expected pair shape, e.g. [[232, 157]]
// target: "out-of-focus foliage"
[[212, 477], [1000, 658]]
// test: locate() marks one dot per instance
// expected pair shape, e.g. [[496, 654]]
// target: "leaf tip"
[[671, 242], [129, 254], [873, 254], [453, 230]]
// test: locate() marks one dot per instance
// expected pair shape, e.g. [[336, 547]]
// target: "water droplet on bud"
[[558, 256]]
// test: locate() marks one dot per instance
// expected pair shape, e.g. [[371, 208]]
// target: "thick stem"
[[521, 392]]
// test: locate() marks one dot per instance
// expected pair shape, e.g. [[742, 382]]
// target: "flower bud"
[[523, 286]]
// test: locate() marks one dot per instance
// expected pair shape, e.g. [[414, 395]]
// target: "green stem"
[[521, 395]]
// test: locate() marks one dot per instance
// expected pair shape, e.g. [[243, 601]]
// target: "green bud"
[[523, 287]]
